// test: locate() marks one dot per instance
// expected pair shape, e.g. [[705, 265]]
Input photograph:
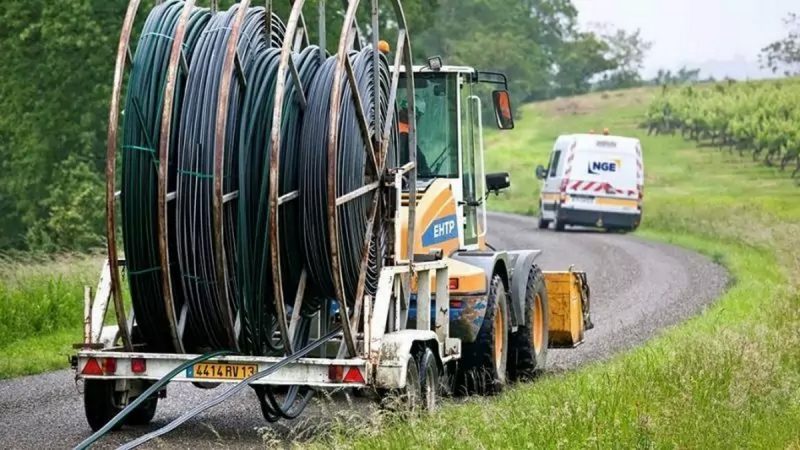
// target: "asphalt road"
[[638, 288]]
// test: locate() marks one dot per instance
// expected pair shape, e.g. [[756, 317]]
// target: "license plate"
[[582, 199], [222, 371]]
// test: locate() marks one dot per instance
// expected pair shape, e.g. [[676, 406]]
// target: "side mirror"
[[541, 172], [502, 110], [496, 182]]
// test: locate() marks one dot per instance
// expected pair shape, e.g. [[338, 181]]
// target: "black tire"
[[100, 403], [543, 223], [145, 412], [485, 361], [529, 344], [405, 399], [559, 224], [428, 379]]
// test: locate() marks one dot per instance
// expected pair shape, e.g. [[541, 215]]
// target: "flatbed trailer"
[[384, 345]]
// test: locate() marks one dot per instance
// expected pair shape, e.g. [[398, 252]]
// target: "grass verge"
[[729, 377], [41, 310]]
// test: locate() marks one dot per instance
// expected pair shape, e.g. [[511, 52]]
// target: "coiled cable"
[[141, 135]]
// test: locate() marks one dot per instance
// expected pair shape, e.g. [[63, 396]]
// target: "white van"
[[592, 180]]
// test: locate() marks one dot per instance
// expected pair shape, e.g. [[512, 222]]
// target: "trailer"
[[341, 255]]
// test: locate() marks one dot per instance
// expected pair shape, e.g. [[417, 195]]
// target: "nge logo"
[[596, 167]]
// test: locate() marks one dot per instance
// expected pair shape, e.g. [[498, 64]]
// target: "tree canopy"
[[784, 55], [57, 62]]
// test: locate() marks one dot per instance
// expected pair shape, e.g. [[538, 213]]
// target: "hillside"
[[728, 378]]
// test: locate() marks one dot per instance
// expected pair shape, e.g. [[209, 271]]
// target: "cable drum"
[[211, 305], [141, 135], [208, 206], [354, 171]]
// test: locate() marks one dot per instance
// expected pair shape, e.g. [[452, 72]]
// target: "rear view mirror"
[[502, 110], [496, 182], [541, 172]]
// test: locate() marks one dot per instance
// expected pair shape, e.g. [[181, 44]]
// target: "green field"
[[729, 378]]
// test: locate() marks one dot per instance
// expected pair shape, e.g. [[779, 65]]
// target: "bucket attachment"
[[568, 297]]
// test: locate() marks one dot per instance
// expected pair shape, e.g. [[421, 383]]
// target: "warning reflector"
[[92, 367], [354, 376]]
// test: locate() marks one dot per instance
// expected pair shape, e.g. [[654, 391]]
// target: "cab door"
[[473, 180]]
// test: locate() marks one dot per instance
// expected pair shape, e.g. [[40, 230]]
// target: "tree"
[[784, 55], [581, 59], [627, 52]]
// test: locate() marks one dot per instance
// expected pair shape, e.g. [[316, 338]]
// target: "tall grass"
[[41, 309]]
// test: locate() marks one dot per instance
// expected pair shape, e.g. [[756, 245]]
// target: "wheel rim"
[[412, 390], [537, 330], [430, 390], [499, 325]]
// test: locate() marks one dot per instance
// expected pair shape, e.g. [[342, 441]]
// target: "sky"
[[722, 37]]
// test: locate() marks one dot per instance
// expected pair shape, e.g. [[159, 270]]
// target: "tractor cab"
[[449, 134]]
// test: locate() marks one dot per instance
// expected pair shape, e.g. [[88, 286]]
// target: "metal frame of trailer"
[[384, 345]]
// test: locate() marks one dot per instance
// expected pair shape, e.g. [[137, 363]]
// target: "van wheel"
[[485, 361], [543, 223], [530, 342], [558, 224]]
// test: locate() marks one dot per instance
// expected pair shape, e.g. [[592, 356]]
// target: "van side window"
[[554, 163]]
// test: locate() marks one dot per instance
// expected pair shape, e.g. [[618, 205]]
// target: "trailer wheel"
[[100, 403], [428, 379], [485, 360], [145, 412], [530, 342]]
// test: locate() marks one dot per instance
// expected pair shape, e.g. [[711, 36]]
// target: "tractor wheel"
[[485, 361], [100, 403], [529, 344], [428, 379]]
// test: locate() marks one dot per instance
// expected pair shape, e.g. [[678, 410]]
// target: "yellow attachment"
[[565, 295]]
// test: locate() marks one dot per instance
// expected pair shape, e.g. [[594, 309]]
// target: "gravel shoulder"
[[638, 288]]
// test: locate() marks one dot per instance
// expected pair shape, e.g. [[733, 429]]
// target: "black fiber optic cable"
[[195, 231], [141, 135], [353, 172]]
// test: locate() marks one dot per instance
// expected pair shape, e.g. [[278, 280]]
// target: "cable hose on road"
[[305, 351], [141, 136], [149, 392]]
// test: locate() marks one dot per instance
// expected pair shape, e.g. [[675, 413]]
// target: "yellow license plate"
[[222, 371]]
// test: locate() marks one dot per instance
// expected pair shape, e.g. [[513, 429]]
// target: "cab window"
[[437, 124], [554, 163]]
